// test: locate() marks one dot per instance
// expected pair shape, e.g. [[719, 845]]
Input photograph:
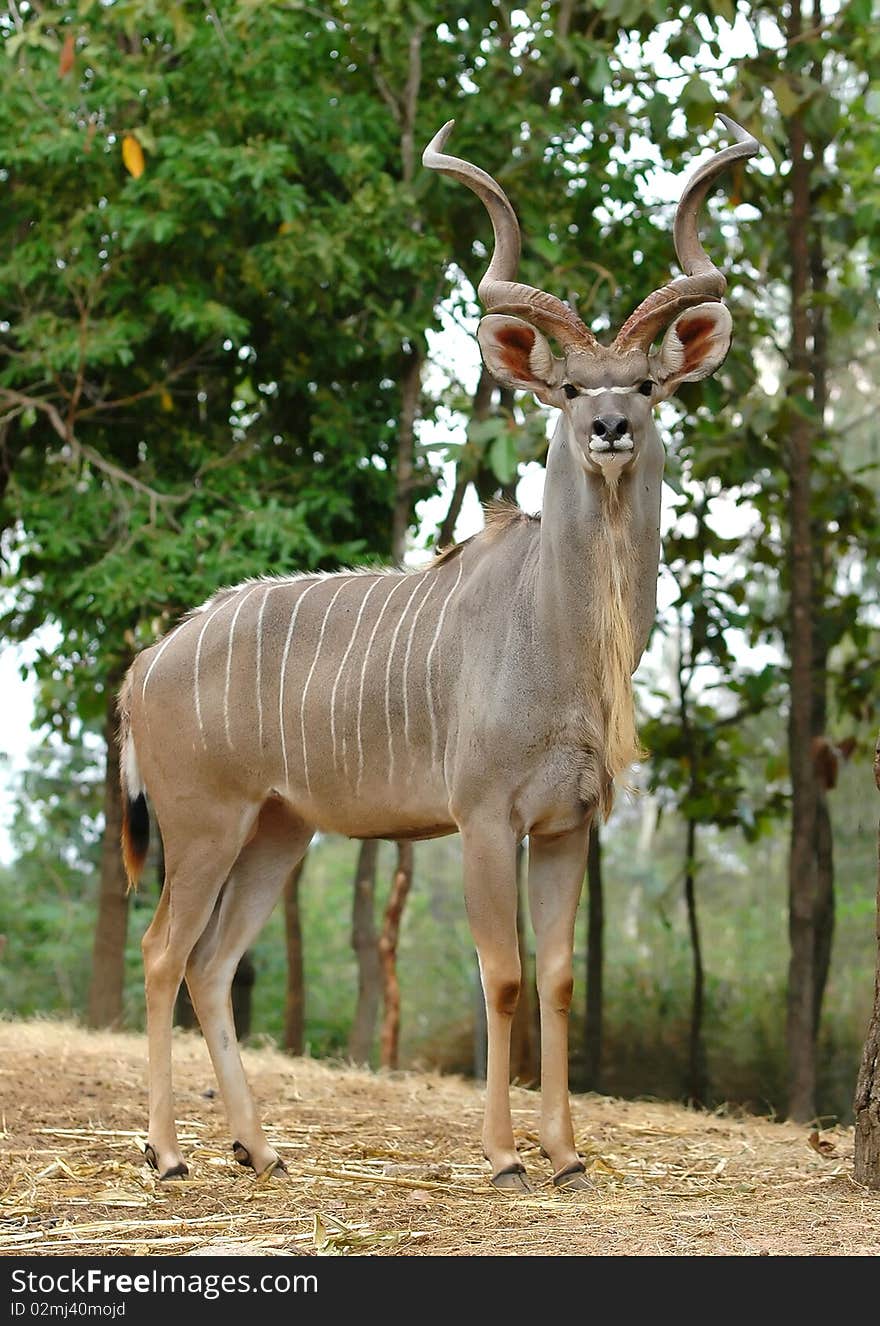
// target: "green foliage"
[[710, 758], [47, 912], [199, 370]]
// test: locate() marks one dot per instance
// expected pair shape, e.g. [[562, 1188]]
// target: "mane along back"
[[501, 517]]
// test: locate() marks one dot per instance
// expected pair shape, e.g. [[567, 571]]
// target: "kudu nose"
[[610, 427]]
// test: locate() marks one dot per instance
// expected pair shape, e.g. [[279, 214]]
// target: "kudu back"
[[488, 693]]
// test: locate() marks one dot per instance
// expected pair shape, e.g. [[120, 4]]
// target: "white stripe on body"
[[429, 689], [406, 609], [198, 698], [345, 656], [302, 712], [406, 657], [314, 585], [259, 668], [164, 645], [398, 584], [229, 667]]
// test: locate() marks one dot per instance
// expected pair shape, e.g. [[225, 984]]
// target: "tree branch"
[[383, 89], [410, 104], [79, 451], [480, 410]]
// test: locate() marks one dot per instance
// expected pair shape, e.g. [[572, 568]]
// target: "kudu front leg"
[[556, 872], [489, 851]]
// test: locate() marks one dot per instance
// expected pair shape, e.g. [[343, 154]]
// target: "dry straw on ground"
[[387, 1164]]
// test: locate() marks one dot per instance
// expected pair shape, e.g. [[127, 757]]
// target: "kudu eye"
[[647, 387], [569, 390]]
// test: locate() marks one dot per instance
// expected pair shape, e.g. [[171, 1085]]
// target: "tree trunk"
[[523, 1041], [595, 943], [410, 392], [9, 431], [823, 842], [364, 941], [482, 404], [867, 1101], [698, 1087], [801, 1012], [446, 532], [108, 952], [243, 996], [294, 1001], [824, 910], [400, 886], [184, 1013]]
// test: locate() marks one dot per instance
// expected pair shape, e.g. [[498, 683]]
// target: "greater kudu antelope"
[[487, 693]]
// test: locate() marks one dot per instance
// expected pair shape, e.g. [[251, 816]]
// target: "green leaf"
[[788, 101], [502, 456]]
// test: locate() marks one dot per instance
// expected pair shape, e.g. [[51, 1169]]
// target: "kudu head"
[[606, 393]]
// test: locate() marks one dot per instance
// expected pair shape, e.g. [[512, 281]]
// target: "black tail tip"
[[139, 824], [135, 836]]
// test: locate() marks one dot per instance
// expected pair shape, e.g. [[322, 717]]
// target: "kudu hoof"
[[573, 1178], [243, 1157], [513, 1179], [179, 1171]]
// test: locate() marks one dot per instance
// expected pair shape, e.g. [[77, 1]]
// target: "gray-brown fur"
[[396, 772]]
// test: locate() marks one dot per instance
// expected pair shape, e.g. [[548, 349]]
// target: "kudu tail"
[[135, 816]]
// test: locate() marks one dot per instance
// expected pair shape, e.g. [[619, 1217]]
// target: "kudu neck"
[[600, 548]]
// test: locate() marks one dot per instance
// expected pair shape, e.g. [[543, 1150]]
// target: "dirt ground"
[[388, 1164]]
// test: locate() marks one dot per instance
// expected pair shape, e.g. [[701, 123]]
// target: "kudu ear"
[[519, 356], [694, 346]]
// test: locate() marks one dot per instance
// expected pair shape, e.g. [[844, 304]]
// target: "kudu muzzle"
[[611, 433]]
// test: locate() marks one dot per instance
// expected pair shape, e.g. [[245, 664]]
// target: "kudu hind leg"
[[556, 872], [195, 869], [489, 852], [250, 893]]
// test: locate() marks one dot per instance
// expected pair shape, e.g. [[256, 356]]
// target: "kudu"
[[489, 692]]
